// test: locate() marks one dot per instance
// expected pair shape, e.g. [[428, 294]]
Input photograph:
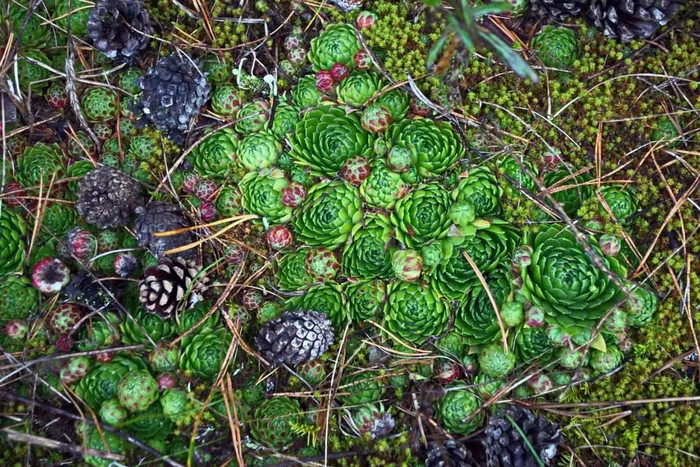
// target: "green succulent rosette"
[[422, 215], [367, 255], [365, 300], [192, 316], [273, 422], [475, 318], [640, 306], [362, 388], [480, 188], [259, 150], [328, 214], [76, 12], [556, 46], [533, 343], [495, 362], [570, 198], [487, 247], [226, 99], [34, 34], [457, 411], [150, 424], [396, 102], [215, 157], [38, 164], [13, 232], [100, 332], [77, 170], [30, 74], [563, 280], [262, 195], [437, 146], [328, 298], [621, 201], [204, 354], [285, 121], [415, 311], [382, 188], [326, 137], [228, 203], [58, 219], [99, 105], [101, 383], [510, 167], [358, 88], [252, 116], [143, 147], [18, 298], [336, 44], [145, 327], [103, 441], [291, 271], [305, 94]]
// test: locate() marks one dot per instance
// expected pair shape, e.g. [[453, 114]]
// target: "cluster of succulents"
[[293, 232]]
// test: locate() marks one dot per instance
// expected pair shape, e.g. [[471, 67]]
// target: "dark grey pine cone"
[[107, 197], [626, 20], [89, 292], [174, 90], [295, 337], [505, 447], [557, 10], [164, 286], [120, 29], [163, 217], [450, 453]]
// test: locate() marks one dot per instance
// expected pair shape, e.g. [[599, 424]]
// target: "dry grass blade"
[[240, 220], [47, 443]]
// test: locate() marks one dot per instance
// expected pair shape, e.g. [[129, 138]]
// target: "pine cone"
[[449, 454], [557, 10], [173, 92], [163, 217], [164, 286], [119, 28], [295, 338], [627, 20], [505, 447], [107, 197]]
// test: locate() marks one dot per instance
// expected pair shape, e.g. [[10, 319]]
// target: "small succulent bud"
[[125, 264], [251, 299], [64, 343], [324, 82], [50, 275], [81, 243], [206, 190], [16, 329], [534, 317], [522, 258], [279, 237], [207, 211], [339, 71], [166, 381], [365, 20], [512, 313], [447, 371], [190, 182], [355, 170], [610, 244], [293, 195], [407, 264], [362, 60]]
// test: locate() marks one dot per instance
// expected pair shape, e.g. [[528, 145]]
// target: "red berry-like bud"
[[610, 244], [166, 381], [206, 190], [50, 275], [365, 20], [324, 81], [355, 170], [16, 194], [190, 182], [125, 264], [534, 317], [339, 71], [419, 108], [104, 357], [64, 318], [56, 97], [81, 243], [16, 329], [251, 299], [293, 195], [64, 343], [362, 60], [376, 118], [279, 237], [447, 371], [207, 211]]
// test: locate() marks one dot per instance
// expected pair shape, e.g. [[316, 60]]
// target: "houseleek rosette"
[[367, 255], [328, 298], [365, 300], [326, 137], [480, 188], [571, 198], [215, 156], [437, 146], [262, 195], [475, 319], [328, 214], [422, 215], [336, 44], [487, 247], [563, 280], [415, 311]]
